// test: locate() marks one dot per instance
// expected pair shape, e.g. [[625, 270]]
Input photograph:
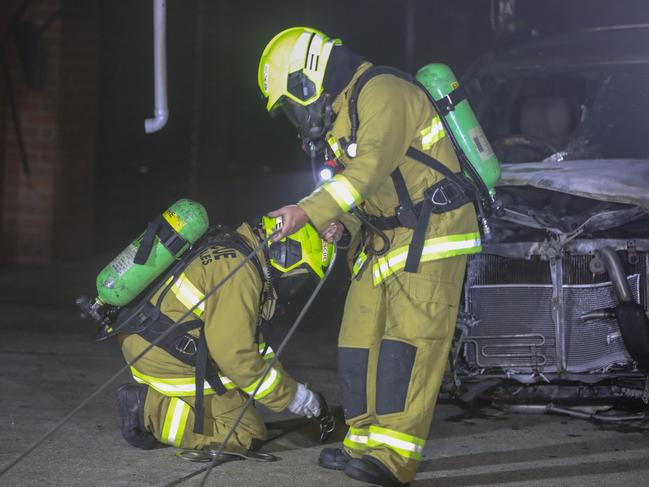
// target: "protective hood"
[[343, 63]]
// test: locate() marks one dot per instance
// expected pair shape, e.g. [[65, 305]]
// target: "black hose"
[[372, 228]]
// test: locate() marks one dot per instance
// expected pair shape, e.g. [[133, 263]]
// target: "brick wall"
[[47, 214]]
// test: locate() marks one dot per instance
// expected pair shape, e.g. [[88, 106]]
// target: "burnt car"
[[554, 308]]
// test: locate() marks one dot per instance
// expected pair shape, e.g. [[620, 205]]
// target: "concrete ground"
[[48, 365]]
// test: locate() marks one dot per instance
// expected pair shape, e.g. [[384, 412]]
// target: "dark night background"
[[219, 146]]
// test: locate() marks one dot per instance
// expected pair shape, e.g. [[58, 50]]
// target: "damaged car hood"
[[618, 181]]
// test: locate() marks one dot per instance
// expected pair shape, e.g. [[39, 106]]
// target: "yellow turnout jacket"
[[230, 316], [394, 115]]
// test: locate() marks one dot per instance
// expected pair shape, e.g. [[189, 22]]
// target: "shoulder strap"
[[441, 108], [458, 178], [169, 237], [358, 86], [191, 351]]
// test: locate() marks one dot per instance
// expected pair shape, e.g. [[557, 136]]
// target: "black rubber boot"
[[333, 458], [130, 404], [369, 469]]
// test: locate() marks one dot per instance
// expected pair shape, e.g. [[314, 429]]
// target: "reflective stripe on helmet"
[[432, 133], [300, 50], [356, 438], [407, 446], [299, 53], [175, 422], [270, 383], [343, 192], [434, 249], [188, 294]]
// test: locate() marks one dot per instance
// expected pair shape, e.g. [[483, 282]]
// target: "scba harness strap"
[[149, 322], [188, 349], [452, 192]]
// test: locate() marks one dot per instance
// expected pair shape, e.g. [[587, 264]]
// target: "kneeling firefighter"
[[405, 177], [193, 384]]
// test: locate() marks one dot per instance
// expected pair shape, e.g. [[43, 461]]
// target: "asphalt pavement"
[[49, 365]]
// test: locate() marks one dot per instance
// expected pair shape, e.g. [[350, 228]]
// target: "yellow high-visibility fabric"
[[175, 421], [434, 249], [394, 114], [417, 311], [356, 440], [171, 420], [230, 316]]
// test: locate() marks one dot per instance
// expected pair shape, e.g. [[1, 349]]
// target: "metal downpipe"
[[161, 110]]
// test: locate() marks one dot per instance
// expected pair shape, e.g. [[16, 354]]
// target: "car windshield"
[[596, 113]]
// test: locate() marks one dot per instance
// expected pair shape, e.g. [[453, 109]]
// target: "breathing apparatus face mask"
[[312, 122]]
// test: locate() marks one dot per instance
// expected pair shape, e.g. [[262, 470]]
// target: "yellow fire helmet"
[[302, 251], [293, 66]]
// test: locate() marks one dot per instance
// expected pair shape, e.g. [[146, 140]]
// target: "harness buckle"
[[445, 196], [407, 217], [187, 345]]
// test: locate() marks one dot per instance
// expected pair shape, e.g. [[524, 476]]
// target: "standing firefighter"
[[402, 304], [194, 384]]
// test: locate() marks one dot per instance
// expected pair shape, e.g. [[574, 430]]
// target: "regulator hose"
[[372, 228]]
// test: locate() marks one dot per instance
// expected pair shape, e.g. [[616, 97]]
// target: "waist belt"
[[441, 197], [449, 194]]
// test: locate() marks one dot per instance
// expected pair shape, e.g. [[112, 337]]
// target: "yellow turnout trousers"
[[392, 352], [171, 420]]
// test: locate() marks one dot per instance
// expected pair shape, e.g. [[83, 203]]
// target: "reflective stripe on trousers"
[[356, 438], [408, 446], [434, 249], [175, 422]]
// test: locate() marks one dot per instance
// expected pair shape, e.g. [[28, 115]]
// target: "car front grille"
[[510, 301]]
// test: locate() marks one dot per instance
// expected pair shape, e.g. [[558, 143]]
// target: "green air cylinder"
[[440, 81], [170, 234]]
